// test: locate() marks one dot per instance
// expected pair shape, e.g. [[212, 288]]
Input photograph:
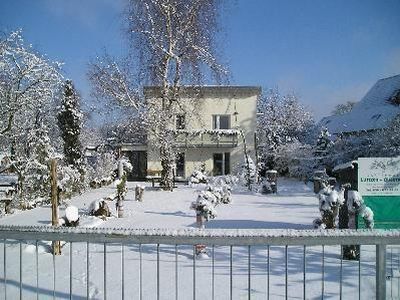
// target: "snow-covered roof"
[[208, 90], [374, 111]]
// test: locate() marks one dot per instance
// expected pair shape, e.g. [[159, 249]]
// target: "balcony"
[[222, 138]]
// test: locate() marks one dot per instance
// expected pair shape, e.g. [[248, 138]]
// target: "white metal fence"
[[101, 263]]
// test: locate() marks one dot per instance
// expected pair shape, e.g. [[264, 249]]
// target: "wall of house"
[[218, 101]]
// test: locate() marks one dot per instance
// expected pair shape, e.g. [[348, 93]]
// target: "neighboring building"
[[213, 137], [377, 110]]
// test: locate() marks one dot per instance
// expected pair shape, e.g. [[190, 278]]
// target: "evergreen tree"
[[324, 142], [69, 122]]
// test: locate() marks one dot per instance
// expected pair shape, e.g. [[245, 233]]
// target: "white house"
[[214, 137]]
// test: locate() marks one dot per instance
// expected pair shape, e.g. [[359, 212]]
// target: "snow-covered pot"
[[71, 218], [139, 193]]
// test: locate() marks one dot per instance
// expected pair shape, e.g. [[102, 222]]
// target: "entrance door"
[[221, 163], [138, 160], [180, 165]]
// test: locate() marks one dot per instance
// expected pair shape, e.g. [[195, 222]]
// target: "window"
[[221, 121], [180, 121], [221, 163]]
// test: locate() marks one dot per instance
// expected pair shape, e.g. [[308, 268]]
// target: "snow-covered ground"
[[294, 207]]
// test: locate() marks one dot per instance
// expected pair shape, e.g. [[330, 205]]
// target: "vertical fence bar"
[[158, 271], [323, 273], [359, 273], [391, 273], [140, 272], [286, 272], [304, 272], [268, 271], [105, 270], [37, 268], [380, 272], [20, 270], [5, 268], [213, 272], [70, 270], [54, 274], [249, 272], [176, 272], [194, 273], [87, 270], [123, 270], [230, 273], [341, 273]]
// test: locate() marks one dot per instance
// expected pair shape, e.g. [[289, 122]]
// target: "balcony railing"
[[105, 263], [207, 138]]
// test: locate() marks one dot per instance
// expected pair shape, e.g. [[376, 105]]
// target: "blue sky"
[[327, 52]]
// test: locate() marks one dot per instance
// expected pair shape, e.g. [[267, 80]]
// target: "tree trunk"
[[167, 174]]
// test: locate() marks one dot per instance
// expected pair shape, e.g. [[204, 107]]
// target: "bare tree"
[[173, 42]]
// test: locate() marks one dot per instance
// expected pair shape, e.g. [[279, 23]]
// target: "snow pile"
[[356, 205]]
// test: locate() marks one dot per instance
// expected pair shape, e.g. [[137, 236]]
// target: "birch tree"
[[173, 43]]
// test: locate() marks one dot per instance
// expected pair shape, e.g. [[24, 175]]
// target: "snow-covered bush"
[[103, 171], [198, 177], [121, 187], [204, 206], [330, 201], [70, 181], [356, 205], [99, 208]]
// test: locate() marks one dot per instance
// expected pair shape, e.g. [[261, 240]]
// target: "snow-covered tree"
[[324, 142], [34, 171], [174, 42], [29, 84], [282, 120], [70, 124]]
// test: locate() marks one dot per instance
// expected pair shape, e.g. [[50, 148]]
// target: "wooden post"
[[54, 204]]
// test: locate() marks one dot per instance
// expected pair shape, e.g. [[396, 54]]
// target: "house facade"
[[212, 137]]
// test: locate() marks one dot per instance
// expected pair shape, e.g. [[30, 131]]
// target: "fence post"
[[380, 272], [54, 204]]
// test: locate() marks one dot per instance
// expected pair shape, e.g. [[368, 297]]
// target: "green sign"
[[379, 185]]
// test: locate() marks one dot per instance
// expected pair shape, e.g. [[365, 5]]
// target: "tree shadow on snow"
[[251, 224]]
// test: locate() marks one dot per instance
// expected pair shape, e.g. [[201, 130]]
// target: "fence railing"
[[162, 261]]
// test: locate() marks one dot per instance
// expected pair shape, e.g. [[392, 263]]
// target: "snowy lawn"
[[294, 207]]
